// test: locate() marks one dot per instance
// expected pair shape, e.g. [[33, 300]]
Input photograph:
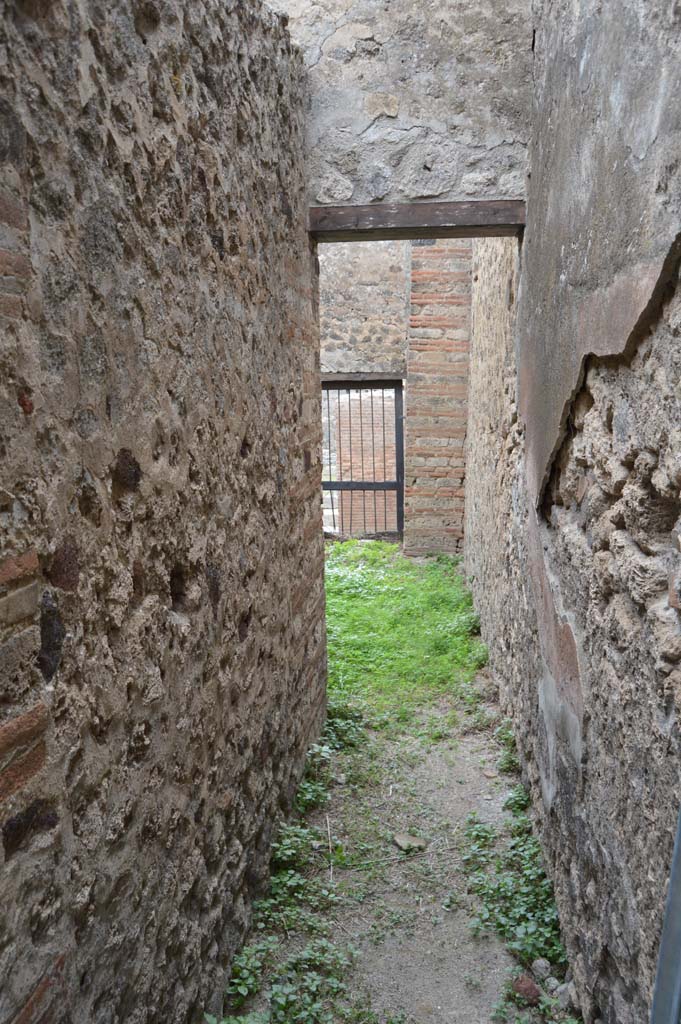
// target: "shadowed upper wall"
[[413, 101]]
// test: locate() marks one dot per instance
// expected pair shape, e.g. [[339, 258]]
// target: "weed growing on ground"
[[480, 840], [248, 968], [518, 800], [345, 724], [508, 762], [295, 846], [507, 875], [507, 1011], [308, 986]]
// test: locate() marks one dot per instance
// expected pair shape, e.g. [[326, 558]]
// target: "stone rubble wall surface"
[[579, 501], [161, 597], [363, 305], [613, 546], [415, 101], [495, 550]]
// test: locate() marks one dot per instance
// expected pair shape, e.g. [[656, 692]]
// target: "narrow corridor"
[[408, 872]]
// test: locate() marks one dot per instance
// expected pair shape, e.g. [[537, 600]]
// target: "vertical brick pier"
[[437, 396]]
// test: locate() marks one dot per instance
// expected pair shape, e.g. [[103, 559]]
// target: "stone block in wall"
[[363, 306]]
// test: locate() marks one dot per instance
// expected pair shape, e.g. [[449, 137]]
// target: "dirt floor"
[[410, 825], [408, 914]]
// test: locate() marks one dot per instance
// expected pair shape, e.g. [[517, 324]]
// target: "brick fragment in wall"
[[18, 567], [20, 731], [46, 1004], [160, 592]]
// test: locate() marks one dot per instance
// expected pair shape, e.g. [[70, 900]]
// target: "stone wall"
[[363, 305], [496, 551], [161, 604], [579, 503], [415, 101], [437, 396]]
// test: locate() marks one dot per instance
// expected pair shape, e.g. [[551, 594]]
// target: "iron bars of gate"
[[363, 458]]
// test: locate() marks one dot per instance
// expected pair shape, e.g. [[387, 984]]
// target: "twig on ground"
[[328, 832]]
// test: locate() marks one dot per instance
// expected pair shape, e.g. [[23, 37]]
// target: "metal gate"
[[363, 458]]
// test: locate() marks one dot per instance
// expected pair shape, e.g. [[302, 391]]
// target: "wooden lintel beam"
[[482, 218]]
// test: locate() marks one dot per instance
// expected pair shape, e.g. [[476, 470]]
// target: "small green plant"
[[295, 847], [247, 970], [308, 983], [293, 903], [518, 800], [480, 839], [479, 720], [318, 762], [508, 762], [322, 956], [311, 793], [516, 897], [345, 724], [452, 901]]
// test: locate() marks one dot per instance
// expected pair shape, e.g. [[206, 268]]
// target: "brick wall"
[[436, 396]]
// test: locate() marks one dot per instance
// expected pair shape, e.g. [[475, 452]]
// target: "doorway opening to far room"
[[395, 325]]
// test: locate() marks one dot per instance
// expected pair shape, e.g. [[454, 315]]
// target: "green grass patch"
[[400, 633]]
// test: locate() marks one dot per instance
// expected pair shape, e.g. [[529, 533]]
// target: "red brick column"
[[436, 397]]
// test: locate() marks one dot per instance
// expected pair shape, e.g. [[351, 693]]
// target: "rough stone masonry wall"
[[495, 551], [437, 396], [585, 629], [412, 101], [161, 604], [363, 300]]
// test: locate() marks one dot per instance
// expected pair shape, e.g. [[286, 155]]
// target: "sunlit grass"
[[400, 633]]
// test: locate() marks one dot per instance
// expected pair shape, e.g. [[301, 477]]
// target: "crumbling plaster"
[[604, 198]]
